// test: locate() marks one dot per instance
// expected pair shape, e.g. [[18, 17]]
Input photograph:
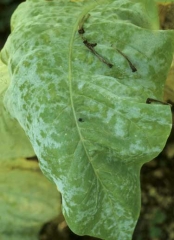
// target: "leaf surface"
[[89, 123], [14, 143]]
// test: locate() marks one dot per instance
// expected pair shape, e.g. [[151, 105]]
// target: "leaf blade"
[[96, 160]]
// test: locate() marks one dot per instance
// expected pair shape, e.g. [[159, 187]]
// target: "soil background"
[[156, 221]]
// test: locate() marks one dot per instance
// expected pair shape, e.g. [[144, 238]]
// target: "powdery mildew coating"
[[56, 80]]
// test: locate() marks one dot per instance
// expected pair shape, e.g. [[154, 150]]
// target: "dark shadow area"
[[7, 7]]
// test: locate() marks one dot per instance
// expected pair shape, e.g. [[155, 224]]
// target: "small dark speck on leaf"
[[80, 120], [81, 31]]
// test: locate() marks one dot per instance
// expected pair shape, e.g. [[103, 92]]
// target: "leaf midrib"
[[74, 31]]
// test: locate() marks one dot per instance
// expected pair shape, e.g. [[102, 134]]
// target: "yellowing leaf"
[[27, 200]]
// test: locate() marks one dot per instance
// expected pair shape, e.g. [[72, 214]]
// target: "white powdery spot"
[[120, 128], [80, 85], [109, 115], [137, 147]]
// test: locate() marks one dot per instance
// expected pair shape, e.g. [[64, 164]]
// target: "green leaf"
[[14, 143], [4, 80], [27, 200], [151, 10], [87, 120]]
